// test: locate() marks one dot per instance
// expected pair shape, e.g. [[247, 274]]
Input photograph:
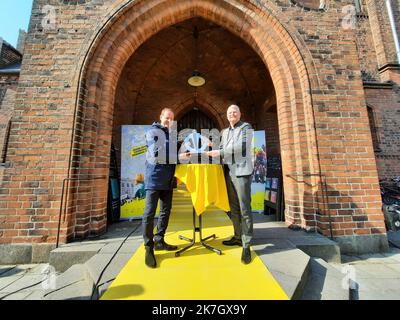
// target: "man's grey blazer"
[[237, 149]]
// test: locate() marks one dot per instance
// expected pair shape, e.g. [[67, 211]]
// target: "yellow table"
[[206, 184]]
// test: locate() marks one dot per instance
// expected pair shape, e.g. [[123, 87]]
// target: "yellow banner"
[[137, 151]]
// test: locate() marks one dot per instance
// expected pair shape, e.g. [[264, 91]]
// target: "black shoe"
[[150, 260], [162, 245], [232, 242], [246, 255]]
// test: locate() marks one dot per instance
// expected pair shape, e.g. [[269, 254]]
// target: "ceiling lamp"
[[196, 80]]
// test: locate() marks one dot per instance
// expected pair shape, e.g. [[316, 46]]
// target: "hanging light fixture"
[[196, 80]]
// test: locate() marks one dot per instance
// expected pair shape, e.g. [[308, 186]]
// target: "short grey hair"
[[234, 106], [167, 110]]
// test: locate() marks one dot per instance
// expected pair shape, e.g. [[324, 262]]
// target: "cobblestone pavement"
[[377, 276]]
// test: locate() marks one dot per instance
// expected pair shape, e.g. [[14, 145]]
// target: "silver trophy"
[[195, 143]]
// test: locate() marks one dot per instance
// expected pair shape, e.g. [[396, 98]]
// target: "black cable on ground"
[[23, 274], [1, 289], [97, 285], [19, 290]]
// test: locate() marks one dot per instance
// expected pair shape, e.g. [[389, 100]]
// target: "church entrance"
[[240, 62]]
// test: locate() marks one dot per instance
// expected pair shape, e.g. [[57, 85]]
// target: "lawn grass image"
[[257, 201], [134, 209]]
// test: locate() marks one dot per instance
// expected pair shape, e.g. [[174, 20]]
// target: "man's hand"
[[213, 153], [184, 156]]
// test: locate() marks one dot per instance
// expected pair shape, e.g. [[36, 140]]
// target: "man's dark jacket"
[[160, 170]]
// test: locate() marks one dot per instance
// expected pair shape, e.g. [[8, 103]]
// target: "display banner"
[[133, 157], [260, 172]]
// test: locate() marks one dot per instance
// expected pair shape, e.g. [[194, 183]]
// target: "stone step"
[[179, 204], [313, 244], [68, 255], [74, 284], [325, 249], [290, 267], [274, 243], [325, 282], [181, 201], [102, 271], [82, 263]]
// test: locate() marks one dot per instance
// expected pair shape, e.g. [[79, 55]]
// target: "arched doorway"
[[157, 74], [124, 34], [197, 120]]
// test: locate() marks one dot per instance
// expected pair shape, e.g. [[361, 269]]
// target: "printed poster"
[[133, 157], [260, 172]]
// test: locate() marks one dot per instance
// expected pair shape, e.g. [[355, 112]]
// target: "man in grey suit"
[[237, 153]]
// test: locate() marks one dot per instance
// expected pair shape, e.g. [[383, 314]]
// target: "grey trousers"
[[239, 194]]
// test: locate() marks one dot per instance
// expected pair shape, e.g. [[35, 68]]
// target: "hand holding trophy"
[[213, 153]]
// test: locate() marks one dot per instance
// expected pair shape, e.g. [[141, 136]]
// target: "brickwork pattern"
[[385, 104], [8, 55], [67, 94]]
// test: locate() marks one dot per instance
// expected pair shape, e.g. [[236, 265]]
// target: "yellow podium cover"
[[206, 184]]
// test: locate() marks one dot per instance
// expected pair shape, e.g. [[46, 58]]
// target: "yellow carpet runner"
[[198, 274]]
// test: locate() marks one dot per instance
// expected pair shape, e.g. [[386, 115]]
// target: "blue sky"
[[14, 15]]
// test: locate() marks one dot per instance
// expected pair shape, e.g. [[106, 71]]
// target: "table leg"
[[193, 241], [213, 236]]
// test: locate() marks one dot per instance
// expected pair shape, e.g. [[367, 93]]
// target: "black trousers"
[[152, 197]]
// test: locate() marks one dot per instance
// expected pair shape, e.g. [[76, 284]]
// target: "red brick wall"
[[6, 107], [8, 54], [312, 4], [376, 48], [366, 50], [7, 82], [383, 37], [312, 61], [8, 87], [386, 106]]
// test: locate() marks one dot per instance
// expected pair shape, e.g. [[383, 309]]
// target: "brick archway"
[[205, 106], [131, 26]]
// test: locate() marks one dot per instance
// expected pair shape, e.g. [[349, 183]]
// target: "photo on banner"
[[133, 157], [260, 172]]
